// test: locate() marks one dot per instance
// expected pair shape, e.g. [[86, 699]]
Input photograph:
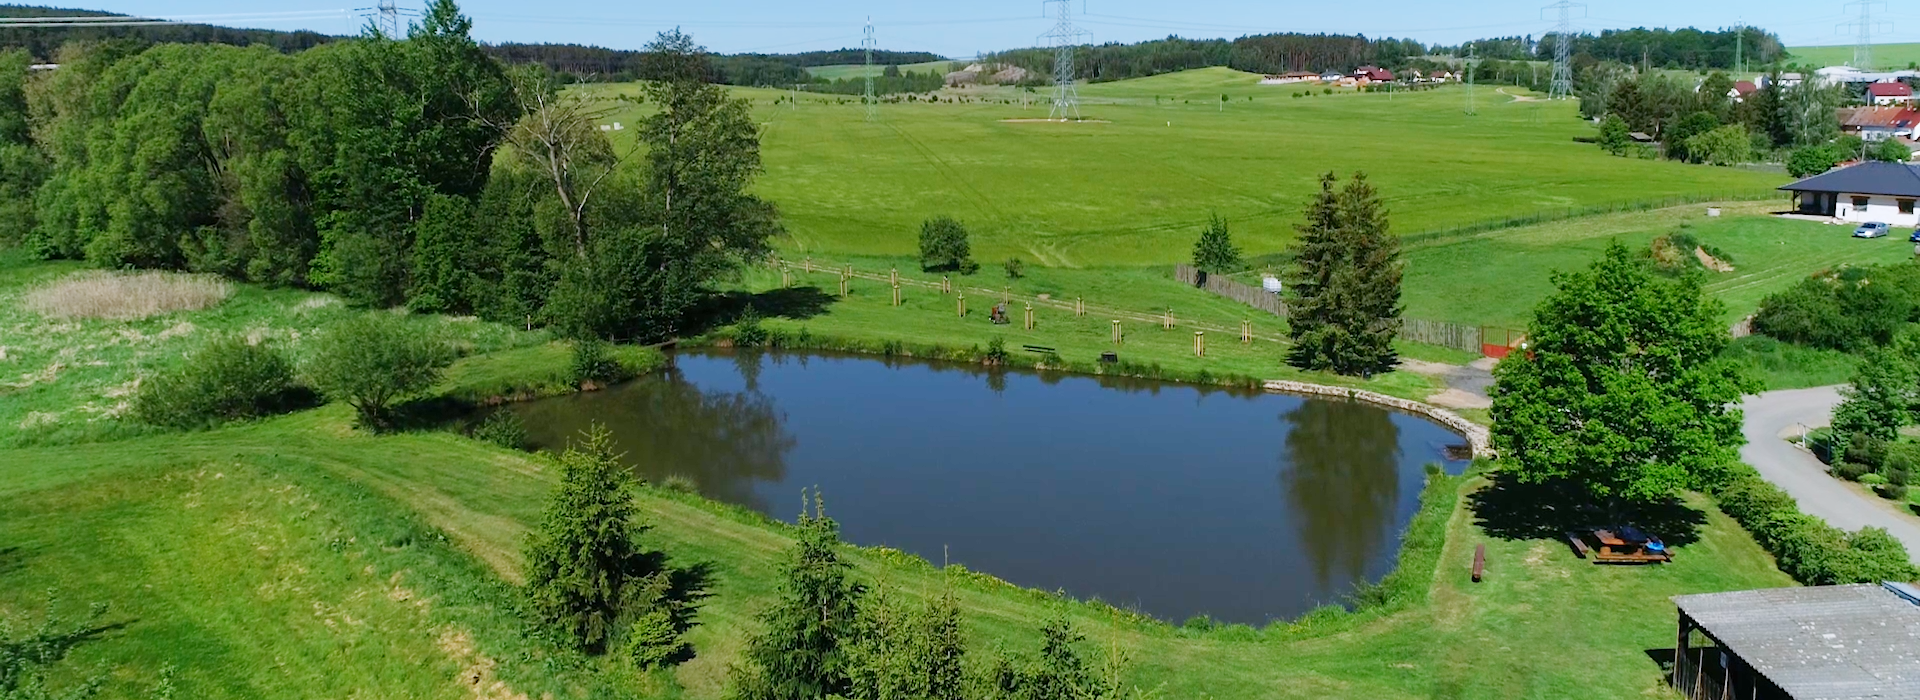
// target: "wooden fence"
[[1441, 333], [1244, 293]]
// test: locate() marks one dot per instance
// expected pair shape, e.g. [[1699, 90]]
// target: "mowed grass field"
[[1135, 187], [855, 70], [1884, 55]]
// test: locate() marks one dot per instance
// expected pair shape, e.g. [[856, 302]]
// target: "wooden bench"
[[1042, 349], [1479, 562], [1580, 548]]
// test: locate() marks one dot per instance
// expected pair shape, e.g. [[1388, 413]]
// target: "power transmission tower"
[[1064, 38], [1562, 87], [1863, 28], [1740, 48], [385, 16], [873, 107]]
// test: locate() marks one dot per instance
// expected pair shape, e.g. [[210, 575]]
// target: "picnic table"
[[1630, 545]]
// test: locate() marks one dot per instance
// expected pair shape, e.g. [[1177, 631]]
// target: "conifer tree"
[[802, 651], [583, 557], [1344, 295], [1214, 252]]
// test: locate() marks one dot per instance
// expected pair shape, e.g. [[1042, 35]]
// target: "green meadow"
[[1133, 185], [853, 70], [1884, 55]]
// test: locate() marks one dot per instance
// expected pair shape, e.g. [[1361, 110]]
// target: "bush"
[[1805, 547], [944, 246], [372, 360], [1849, 309], [996, 351], [1015, 268], [747, 331], [229, 379], [1808, 161], [503, 428], [593, 362], [653, 640]]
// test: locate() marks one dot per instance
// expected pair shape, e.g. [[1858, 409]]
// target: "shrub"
[[1808, 161], [653, 640], [126, 296], [372, 360], [1852, 471], [1751, 500], [1848, 309], [229, 379], [503, 428], [747, 331], [996, 351], [1805, 547], [944, 246], [593, 362], [1015, 268]]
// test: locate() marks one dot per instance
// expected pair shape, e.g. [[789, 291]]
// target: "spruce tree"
[[1214, 252], [582, 558], [802, 651], [1344, 292]]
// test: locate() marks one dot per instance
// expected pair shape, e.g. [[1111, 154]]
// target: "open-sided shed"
[[1855, 642]]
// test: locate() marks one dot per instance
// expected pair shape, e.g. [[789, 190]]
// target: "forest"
[[44, 42], [417, 172], [1266, 53], [1687, 48]]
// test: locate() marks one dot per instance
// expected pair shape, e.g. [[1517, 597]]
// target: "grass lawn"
[[1135, 188], [850, 71], [1496, 278], [295, 557], [1884, 55]]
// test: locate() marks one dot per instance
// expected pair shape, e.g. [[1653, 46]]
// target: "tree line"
[[598, 64], [1686, 48], [1702, 121], [415, 171], [44, 43], [1265, 53]]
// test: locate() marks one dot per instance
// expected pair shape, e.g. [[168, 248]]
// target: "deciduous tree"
[[1619, 388], [372, 360]]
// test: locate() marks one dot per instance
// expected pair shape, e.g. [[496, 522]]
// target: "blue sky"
[[965, 28]]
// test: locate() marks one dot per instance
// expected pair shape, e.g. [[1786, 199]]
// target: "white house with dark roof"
[[1872, 191]]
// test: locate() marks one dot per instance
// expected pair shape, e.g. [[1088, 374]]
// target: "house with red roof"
[[1742, 89], [1890, 93], [1373, 74]]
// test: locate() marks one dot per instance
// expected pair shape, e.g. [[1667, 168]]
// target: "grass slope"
[[1496, 278], [1135, 188], [295, 557], [1884, 55]]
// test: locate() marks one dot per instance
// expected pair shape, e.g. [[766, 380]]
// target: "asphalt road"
[[1773, 413]]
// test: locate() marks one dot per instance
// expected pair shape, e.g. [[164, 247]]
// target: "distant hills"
[[581, 62]]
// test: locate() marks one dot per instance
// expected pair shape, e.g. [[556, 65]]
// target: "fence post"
[[1116, 332], [786, 277], [1246, 332], [809, 263], [1029, 316], [1079, 307], [1199, 343], [962, 301], [896, 294], [843, 286], [1006, 295], [893, 275], [946, 284], [1166, 322]]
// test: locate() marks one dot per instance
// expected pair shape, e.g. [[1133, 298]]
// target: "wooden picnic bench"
[[1580, 548], [1479, 562], [1617, 550], [1042, 349]]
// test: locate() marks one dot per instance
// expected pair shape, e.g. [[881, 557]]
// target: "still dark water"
[[1159, 497]]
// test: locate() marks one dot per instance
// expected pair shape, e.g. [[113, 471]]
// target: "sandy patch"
[[1710, 262], [477, 669], [1458, 398]]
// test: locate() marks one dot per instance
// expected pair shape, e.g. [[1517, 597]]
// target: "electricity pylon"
[[873, 106], [1562, 87], [1064, 38]]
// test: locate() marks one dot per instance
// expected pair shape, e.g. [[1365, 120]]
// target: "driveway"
[[1791, 412]]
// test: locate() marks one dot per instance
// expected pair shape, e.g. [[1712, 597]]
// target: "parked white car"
[[1872, 229]]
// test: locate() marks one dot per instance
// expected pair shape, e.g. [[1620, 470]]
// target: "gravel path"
[[1776, 413]]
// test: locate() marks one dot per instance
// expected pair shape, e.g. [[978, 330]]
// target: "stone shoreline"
[[1478, 438]]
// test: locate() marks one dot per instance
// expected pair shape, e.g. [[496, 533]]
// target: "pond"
[[1164, 498]]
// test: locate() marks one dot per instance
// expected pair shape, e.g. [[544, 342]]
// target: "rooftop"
[[1891, 179], [1857, 642], [1890, 90]]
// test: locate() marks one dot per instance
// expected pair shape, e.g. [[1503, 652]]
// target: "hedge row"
[[1805, 547]]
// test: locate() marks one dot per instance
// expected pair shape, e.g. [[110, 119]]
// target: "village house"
[[1332, 76], [1372, 74], [1879, 123], [1288, 78], [1890, 93], [1853, 642], [1871, 191], [1742, 89]]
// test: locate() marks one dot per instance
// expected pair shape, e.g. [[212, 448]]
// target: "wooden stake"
[[1079, 307], [1006, 295], [843, 287], [946, 284], [1116, 332], [1029, 316], [896, 294], [809, 264], [786, 277], [1199, 343], [1166, 322], [893, 275], [1246, 332], [963, 305]]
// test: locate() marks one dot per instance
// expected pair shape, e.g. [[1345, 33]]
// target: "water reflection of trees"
[[723, 441], [1344, 483]]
